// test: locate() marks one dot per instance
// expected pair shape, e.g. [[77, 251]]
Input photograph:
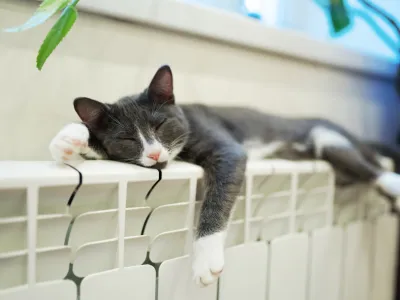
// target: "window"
[[263, 10], [368, 33]]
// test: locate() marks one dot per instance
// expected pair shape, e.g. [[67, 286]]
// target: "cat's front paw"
[[208, 258], [69, 143]]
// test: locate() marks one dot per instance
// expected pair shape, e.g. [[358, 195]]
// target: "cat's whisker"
[[157, 108], [172, 146], [117, 121], [154, 108], [130, 160], [183, 135], [180, 139]]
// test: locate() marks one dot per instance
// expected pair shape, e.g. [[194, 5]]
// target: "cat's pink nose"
[[154, 156]]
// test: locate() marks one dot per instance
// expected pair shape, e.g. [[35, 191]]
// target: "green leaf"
[[339, 16], [56, 34], [44, 12]]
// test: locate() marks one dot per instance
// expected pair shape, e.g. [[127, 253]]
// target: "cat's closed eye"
[[125, 138], [159, 124]]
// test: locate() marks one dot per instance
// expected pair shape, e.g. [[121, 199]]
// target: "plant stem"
[[385, 15], [74, 2]]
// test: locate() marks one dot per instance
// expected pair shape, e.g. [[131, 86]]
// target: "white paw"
[[389, 182], [208, 260], [69, 143]]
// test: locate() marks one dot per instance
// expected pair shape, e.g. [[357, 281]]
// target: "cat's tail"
[[389, 182], [388, 151]]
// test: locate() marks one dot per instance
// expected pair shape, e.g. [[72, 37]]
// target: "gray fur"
[[212, 137]]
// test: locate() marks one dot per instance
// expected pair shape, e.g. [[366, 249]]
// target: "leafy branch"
[[60, 29], [338, 15], [384, 15]]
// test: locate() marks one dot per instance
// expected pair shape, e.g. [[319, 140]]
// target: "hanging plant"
[[60, 29]]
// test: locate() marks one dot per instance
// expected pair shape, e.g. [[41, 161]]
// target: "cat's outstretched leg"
[[224, 166], [389, 183], [344, 155], [72, 143]]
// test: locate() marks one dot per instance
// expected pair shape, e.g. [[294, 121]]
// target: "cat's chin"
[[157, 166]]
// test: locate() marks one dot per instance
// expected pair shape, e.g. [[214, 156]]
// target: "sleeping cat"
[[150, 130]]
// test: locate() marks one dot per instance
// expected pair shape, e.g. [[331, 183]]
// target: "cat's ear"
[[161, 88], [90, 111]]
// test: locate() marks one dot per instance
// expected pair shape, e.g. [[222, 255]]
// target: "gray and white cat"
[[150, 130]]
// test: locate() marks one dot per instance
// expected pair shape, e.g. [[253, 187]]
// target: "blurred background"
[[280, 56], [306, 16]]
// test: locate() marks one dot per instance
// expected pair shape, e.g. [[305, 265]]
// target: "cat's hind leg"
[[338, 150]]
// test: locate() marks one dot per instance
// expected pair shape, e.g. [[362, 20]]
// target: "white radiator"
[[282, 243]]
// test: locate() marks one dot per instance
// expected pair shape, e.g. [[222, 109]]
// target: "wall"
[[104, 58]]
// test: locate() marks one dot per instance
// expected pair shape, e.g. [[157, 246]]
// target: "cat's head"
[[146, 129]]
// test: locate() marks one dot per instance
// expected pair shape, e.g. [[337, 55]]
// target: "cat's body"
[[150, 130], [261, 134]]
